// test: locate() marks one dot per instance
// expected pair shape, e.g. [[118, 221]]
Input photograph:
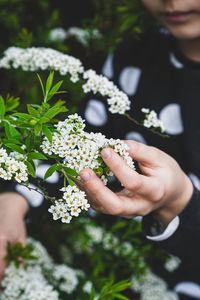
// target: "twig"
[[139, 124]]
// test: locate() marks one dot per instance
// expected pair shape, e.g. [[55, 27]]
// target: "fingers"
[[100, 197], [146, 155], [130, 179]]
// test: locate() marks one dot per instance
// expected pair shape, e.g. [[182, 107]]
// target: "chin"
[[185, 33]]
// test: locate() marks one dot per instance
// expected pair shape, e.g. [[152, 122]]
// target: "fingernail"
[[106, 153], [85, 176]]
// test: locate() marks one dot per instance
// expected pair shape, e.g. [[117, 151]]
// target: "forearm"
[[15, 203]]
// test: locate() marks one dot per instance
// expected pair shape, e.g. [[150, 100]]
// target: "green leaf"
[[34, 155], [70, 171], [2, 108], [22, 116], [47, 132], [29, 142], [15, 148], [119, 296], [32, 111], [42, 86], [49, 81], [71, 182], [30, 168], [11, 103], [11, 141], [50, 171], [52, 112], [7, 130], [38, 128], [14, 132], [54, 89]]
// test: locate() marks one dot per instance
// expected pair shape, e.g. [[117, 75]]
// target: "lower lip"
[[178, 17]]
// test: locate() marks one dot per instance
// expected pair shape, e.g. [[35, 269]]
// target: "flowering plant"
[[40, 278], [64, 142]]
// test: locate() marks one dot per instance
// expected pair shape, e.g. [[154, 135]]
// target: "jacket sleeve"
[[184, 242]]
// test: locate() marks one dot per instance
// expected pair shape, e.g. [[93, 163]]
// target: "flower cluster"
[[83, 36], [57, 34], [35, 59], [11, 168], [66, 277], [172, 264], [79, 150], [151, 119], [40, 280], [152, 287], [118, 101], [73, 201], [26, 283]]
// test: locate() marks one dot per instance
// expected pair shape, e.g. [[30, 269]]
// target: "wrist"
[[176, 205], [15, 203]]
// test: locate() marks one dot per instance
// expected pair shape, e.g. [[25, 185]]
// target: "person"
[[160, 71]]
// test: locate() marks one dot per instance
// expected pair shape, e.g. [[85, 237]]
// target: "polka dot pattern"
[[95, 113], [41, 170], [34, 198], [171, 117], [129, 79]]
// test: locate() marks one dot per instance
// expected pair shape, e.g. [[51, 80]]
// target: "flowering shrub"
[[91, 258], [66, 142]]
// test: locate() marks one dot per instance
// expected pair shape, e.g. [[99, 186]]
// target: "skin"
[[13, 208], [162, 187], [185, 30]]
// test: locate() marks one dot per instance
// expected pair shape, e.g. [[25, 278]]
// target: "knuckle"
[[116, 210]]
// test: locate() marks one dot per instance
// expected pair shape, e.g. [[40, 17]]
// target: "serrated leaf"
[[70, 171], [14, 132], [11, 141], [71, 182], [54, 89], [47, 132], [34, 155], [22, 116], [32, 111], [52, 112], [37, 128], [42, 86], [7, 131], [30, 168], [49, 81], [2, 108], [119, 296], [11, 103], [50, 171], [16, 148]]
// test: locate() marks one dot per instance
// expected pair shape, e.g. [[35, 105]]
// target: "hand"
[[13, 208], [162, 187]]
